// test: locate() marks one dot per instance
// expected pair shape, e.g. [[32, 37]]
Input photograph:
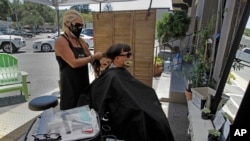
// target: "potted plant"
[[188, 92], [214, 135], [158, 66], [205, 113], [198, 59]]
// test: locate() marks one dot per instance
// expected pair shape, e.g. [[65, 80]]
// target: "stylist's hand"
[[97, 55]]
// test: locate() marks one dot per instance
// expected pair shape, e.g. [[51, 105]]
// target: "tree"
[[87, 18], [35, 15], [81, 8], [247, 32], [107, 7], [172, 26], [5, 9], [32, 18]]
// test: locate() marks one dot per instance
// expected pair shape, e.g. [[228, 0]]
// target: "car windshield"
[[247, 50], [88, 32]]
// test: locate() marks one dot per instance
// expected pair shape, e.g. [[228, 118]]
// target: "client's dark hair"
[[113, 51], [116, 50], [96, 65]]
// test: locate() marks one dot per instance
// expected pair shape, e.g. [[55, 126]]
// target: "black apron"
[[73, 81]]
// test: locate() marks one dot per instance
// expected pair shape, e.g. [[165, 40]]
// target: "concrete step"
[[171, 87], [177, 87], [163, 86]]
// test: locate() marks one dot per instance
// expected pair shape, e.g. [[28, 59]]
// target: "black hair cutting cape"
[[133, 110]]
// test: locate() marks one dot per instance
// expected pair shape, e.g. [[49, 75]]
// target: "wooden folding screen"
[[135, 28]]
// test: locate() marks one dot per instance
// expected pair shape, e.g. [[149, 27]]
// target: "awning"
[[73, 2], [58, 3]]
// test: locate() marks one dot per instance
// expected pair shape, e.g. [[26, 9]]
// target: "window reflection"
[[239, 76]]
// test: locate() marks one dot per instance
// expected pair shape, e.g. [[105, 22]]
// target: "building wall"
[[226, 37]]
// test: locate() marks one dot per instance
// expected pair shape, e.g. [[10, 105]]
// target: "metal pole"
[[55, 3], [58, 20], [231, 56], [8, 28], [16, 15], [100, 7]]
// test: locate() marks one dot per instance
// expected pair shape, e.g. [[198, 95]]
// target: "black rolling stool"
[[40, 103], [43, 102]]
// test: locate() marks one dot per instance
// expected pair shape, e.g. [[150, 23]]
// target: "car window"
[[88, 32], [247, 51], [54, 37]]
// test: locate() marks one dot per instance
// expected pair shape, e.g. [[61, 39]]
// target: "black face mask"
[[76, 29]]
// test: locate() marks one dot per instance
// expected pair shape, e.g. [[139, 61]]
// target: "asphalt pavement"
[[236, 91], [42, 69]]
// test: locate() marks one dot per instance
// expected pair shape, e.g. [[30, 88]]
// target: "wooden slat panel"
[[123, 24], [131, 27], [103, 34], [144, 44]]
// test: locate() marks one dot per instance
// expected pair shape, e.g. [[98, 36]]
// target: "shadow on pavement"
[[178, 120]]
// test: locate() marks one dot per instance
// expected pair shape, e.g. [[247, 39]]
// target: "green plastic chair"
[[11, 79]]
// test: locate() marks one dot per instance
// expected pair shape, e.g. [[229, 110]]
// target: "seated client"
[[130, 109]]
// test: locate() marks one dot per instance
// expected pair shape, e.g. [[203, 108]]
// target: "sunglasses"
[[77, 25], [46, 137], [127, 54]]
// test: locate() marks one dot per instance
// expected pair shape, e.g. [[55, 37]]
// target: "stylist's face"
[[76, 26]]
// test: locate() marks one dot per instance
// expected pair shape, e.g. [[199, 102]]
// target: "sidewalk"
[[175, 112]]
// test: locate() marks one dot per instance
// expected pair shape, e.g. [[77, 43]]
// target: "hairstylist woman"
[[73, 56]]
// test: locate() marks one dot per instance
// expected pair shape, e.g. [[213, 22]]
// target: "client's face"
[[125, 59]]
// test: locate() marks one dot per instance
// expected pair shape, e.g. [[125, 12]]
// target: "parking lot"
[[42, 68]]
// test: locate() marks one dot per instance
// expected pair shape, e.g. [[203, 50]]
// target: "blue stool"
[[43, 102]]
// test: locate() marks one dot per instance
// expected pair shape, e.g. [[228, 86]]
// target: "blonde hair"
[[68, 17], [85, 46]]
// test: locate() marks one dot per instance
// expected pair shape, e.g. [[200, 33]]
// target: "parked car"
[[22, 33], [11, 43], [43, 30], [243, 55], [44, 45], [46, 31], [89, 40], [47, 44], [88, 31]]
